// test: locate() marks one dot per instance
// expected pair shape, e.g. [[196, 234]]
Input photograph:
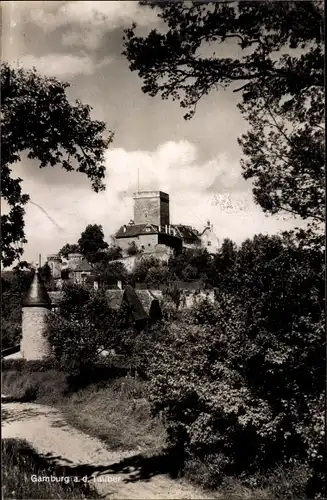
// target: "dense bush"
[[132, 249], [46, 386], [241, 386], [29, 366], [81, 328], [14, 285]]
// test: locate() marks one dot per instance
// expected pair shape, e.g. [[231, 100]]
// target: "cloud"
[[62, 65], [86, 22], [173, 167]]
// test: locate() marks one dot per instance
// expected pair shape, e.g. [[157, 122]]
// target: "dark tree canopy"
[[38, 120], [69, 248], [282, 89], [92, 242], [170, 63]]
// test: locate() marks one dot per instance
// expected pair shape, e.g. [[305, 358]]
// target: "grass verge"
[[118, 414], [117, 411], [21, 466]]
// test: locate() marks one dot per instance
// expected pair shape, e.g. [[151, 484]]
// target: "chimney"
[[166, 228], [120, 285], [124, 228]]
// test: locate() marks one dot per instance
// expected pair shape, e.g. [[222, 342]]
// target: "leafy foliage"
[[81, 329], [171, 63], [191, 264], [38, 119], [92, 243], [142, 267], [279, 73], [132, 249], [112, 272], [114, 253], [14, 286], [69, 248], [205, 377]]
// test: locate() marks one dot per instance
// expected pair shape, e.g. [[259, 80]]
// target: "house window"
[[149, 244], [142, 246], [147, 229], [209, 243]]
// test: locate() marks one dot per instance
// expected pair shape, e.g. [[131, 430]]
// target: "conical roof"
[[37, 295]]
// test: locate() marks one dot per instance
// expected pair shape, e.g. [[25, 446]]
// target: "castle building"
[[75, 268], [152, 233]]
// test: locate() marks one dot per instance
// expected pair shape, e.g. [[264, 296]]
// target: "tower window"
[[209, 243]]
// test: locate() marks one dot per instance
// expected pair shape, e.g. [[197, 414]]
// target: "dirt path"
[[117, 475]]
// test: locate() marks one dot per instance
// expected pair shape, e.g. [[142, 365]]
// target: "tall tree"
[[280, 76], [224, 265], [69, 248], [38, 119], [191, 264], [92, 242]]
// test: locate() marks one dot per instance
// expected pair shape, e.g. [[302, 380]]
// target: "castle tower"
[[151, 207], [36, 305], [55, 264]]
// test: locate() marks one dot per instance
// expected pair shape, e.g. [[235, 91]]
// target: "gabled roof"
[[186, 231], [114, 298], [135, 306], [141, 303], [146, 299], [83, 266], [135, 230], [182, 231]]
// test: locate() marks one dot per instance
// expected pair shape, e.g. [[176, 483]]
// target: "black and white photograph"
[[163, 328]]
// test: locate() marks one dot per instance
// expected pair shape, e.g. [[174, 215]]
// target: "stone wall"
[[151, 207], [34, 344], [55, 264]]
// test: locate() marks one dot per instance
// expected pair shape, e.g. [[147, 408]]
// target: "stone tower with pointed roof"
[[35, 306]]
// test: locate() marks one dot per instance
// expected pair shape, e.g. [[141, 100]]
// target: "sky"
[[197, 162]]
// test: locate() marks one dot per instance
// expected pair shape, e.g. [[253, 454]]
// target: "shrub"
[[239, 381], [83, 326], [14, 288], [132, 249], [28, 385], [29, 365], [203, 312], [118, 413], [174, 294]]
